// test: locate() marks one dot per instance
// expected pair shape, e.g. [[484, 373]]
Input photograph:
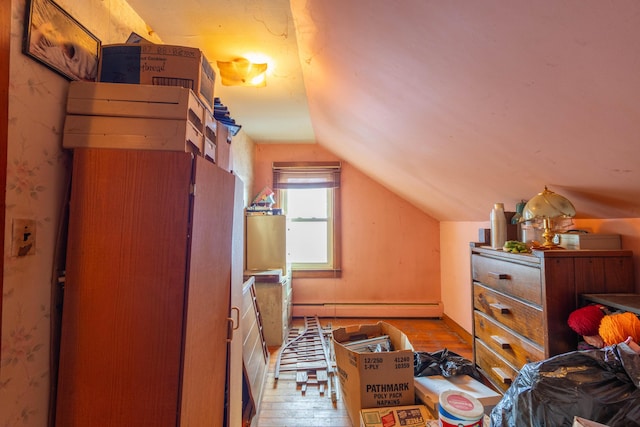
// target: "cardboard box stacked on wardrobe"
[[150, 97], [165, 65], [114, 115], [373, 379], [158, 64]]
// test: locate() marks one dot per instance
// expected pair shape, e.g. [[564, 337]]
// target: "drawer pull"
[[504, 344], [501, 308], [506, 379], [499, 276]]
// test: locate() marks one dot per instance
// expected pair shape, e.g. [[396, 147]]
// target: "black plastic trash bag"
[[443, 362], [600, 385]]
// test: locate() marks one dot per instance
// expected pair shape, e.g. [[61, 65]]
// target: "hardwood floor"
[[283, 405]]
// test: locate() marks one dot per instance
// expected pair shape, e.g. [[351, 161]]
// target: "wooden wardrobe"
[[146, 301]]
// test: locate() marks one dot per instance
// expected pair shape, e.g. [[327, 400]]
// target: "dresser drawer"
[[521, 281], [494, 367], [512, 347], [525, 319]]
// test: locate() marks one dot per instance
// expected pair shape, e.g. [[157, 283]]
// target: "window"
[[309, 195]]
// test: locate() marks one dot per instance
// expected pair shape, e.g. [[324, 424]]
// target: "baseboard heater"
[[432, 310]]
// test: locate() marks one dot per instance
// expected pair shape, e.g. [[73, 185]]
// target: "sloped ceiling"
[[453, 105]]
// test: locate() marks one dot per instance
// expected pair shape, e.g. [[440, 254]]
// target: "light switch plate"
[[23, 241]]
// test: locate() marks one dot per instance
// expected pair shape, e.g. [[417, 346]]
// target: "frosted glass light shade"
[[550, 210], [548, 204], [241, 72]]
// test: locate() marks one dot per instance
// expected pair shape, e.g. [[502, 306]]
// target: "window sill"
[[316, 274]]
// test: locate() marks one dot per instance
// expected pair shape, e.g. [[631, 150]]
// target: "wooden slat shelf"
[[625, 302]]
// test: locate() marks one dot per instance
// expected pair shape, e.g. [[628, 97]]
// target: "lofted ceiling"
[[453, 105]]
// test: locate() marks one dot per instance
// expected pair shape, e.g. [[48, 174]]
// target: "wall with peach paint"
[[456, 269], [242, 149], [390, 249]]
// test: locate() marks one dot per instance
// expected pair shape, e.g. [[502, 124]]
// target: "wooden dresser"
[[521, 302]]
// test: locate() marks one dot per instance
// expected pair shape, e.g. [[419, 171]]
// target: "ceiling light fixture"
[[242, 72]]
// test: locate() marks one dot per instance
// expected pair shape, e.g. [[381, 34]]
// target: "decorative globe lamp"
[[551, 211]]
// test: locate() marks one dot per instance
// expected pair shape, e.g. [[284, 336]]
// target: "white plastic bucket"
[[459, 409]]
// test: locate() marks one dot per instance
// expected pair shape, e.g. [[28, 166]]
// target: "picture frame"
[[55, 39]]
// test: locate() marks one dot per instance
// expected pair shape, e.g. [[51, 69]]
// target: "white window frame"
[[302, 175]]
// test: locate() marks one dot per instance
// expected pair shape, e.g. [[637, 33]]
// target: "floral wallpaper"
[[37, 180]]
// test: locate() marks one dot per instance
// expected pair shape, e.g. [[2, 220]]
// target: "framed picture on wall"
[[58, 41]]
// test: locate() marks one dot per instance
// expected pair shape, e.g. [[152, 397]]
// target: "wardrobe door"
[[207, 309], [124, 297]]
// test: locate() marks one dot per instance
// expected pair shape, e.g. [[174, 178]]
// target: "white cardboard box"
[[428, 390], [135, 100], [413, 416], [576, 241], [210, 132], [374, 379], [131, 133]]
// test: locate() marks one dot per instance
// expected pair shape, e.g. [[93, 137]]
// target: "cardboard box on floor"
[[428, 390], [374, 379]]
